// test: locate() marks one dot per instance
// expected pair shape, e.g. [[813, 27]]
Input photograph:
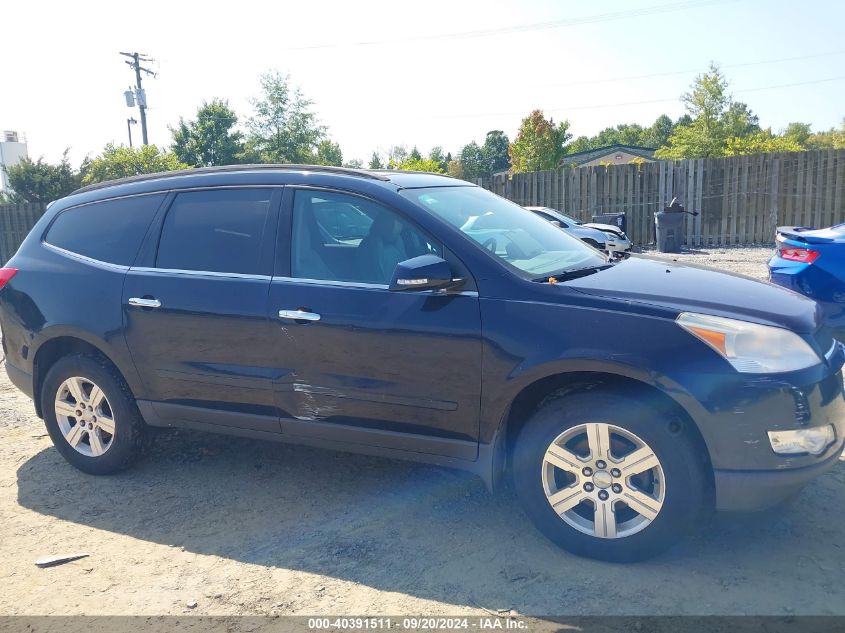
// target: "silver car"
[[604, 237]]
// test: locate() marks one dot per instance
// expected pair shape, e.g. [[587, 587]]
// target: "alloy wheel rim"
[[84, 416], [603, 480]]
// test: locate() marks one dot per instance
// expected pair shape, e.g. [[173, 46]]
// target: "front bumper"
[[617, 245], [751, 490], [738, 414]]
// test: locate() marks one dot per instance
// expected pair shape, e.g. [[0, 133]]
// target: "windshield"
[[518, 237], [569, 220]]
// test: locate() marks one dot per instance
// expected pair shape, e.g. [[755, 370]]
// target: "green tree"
[[714, 120], [120, 161], [211, 138], [832, 139], [355, 163], [421, 164], [40, 182], [375, 161], [283, 128], [495, 152], [625, 134], [539, 144], [436, 154], [658, 134], [798, 132], [739, 120], [707, 103], [472, 162], [455, 169], [760, 142], [328, 153], [396, 155], [415, 154], [708, 98]]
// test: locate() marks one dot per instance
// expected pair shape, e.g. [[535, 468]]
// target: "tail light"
[[798, 254], [5, 275]]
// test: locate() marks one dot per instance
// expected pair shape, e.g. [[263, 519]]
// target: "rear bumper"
[[817, 286], [20, 379], [751, 490]]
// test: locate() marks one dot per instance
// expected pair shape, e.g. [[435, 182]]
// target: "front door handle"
[[299, 315], [144, 303]]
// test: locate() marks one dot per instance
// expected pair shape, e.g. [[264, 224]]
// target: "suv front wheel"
[[606, 477], [91, 415]]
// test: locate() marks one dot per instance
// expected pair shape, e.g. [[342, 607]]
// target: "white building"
[[12, 150]]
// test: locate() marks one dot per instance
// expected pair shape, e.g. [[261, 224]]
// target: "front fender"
[[498, 407]]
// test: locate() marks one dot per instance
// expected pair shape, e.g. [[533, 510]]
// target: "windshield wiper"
[[574, 273]]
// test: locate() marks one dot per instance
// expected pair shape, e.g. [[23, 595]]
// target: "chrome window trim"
[[177, 190], [198, 273], [157, 192], [366, 286], [84, 258], [332, 282]]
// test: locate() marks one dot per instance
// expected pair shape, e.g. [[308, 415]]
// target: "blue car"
[[812, 262]]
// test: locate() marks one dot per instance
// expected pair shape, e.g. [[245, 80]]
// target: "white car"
[[616, 242]]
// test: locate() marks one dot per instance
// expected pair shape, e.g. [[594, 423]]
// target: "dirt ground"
[[219, 526]]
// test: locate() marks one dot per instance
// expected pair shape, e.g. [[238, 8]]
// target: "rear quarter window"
[[109, 231]]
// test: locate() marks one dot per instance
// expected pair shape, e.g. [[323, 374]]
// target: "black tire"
[[130, 438], [684, 471]]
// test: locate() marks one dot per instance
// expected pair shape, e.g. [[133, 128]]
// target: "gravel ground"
[[218, 526], [749, 261]]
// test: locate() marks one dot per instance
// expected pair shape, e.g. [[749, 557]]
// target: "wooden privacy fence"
[[740, 199], [16, 220]]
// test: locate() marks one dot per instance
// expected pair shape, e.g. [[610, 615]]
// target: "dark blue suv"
[[416, 316]]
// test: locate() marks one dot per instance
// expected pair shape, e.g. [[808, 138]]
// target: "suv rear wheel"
[[91, 415], [606, 477]]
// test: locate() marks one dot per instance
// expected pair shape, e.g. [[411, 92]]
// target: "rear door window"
[[109, 231], [216, 231]]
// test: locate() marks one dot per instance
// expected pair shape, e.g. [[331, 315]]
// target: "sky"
[[437, 73]]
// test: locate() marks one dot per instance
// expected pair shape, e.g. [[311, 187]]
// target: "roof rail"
[[393, 172], [342, 171]]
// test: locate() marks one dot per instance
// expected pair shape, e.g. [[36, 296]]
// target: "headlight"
[[751, 347], [813, 441]]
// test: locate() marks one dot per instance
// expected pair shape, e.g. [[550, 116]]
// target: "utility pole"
[[140, 97]]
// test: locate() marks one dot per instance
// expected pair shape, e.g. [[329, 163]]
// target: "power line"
[[629, 103], [589, 82], [523, 28]]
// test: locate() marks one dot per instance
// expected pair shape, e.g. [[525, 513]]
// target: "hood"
[[580, 231], [814, 236], [603, 227], [686, 287]]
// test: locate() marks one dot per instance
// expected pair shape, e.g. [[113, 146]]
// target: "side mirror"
[[555, 223], [426, 272]]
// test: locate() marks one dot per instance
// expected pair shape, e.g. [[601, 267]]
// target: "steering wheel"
[[490, 245]]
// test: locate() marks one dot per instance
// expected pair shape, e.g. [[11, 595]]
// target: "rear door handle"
[[144, 303], [299, 315]]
